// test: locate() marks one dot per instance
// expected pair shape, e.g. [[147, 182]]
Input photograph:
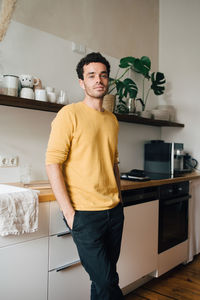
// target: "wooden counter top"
[[46, 193]]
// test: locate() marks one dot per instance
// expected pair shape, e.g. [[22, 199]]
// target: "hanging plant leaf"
[[126, 62], [146, 64], [141, 67], [158, 80]]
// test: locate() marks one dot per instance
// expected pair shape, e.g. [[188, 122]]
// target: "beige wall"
[[116, 27]]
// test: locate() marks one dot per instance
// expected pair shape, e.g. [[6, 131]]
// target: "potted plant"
[[123, 88], [143, 66]]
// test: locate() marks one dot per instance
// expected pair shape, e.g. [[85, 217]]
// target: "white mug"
[[51, 96], [41, 95], [27, 93], [28, 81], [50, 89], [62, 98]]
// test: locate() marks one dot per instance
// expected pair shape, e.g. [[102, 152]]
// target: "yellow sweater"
[[85, 142]]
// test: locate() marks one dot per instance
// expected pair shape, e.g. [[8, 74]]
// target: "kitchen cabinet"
[[54, 107], [139, 243], [194, 220], [23, 272], [65, 270]]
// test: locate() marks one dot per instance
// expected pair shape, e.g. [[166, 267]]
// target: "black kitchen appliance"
[[173, 215], [166, 158]]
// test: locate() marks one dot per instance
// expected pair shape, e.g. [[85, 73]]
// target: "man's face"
[[95, 80]]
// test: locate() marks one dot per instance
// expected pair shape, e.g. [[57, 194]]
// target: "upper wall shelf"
[[53, 107]]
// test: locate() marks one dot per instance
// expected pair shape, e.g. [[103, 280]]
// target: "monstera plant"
[[124, 89], [143, 66]]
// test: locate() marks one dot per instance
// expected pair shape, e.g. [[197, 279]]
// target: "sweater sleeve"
[[62, 131]]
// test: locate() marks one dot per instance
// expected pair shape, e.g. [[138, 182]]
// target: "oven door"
[[173, 222]]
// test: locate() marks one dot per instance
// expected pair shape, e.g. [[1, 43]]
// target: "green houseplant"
[[127, 88], [143, 66], [123, 88]]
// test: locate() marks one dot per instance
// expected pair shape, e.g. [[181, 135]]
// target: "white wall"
[[25, 132], [179, 47]]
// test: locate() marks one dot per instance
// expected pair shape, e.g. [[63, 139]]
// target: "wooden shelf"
[[54, 107], [131, 118], [29, 104]]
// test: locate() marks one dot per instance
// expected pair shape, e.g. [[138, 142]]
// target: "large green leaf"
[[126, 62], [142, 66], [145, 60], [158, 81], [126, 88]]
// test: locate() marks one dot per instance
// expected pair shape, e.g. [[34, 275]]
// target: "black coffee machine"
[[167, 158]]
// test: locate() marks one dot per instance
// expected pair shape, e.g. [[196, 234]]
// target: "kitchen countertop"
[[46, 193]]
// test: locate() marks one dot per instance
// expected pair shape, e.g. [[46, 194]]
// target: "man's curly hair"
[[90, 58]]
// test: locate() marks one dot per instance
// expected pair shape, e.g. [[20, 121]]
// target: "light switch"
[[78, 48]]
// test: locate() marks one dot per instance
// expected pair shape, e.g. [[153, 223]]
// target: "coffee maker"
[[165, 158]]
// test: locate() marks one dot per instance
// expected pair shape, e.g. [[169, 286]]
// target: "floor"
[[182, 283]]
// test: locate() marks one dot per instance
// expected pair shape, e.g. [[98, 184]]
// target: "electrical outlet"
[[8, 161]]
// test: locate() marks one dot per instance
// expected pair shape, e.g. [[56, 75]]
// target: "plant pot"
[[109, 102]]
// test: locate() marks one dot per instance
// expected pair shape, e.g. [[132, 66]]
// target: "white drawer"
[[43, 228], [72, 283], [56, 219], [62, 251]]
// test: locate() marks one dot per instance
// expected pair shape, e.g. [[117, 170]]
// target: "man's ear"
[[81, 82]]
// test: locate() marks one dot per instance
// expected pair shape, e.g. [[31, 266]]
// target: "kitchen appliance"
[[173, 215], [173, 226], [166, 158]]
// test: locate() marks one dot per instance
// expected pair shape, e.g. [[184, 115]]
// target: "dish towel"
[[18, 210]]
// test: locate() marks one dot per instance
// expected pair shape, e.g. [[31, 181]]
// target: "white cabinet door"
[[194, 219], [43, 229], [72, 283], [62, 251], [23, 271], [139, 242]]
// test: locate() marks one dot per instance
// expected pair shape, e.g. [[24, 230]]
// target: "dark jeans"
[[97, 235]]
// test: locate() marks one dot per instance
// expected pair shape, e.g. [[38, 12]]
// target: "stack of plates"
[[164, 112], [160, 114]]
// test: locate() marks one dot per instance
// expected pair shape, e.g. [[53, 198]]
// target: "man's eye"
[[104, 76], [91, 76]]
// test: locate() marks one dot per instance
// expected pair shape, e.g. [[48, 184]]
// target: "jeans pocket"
[[64, 219], [75, 222]]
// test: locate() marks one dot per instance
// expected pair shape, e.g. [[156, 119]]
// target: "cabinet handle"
[[63, 233], [76, 262]]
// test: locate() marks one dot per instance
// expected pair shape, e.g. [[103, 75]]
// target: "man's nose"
[[98, 78]]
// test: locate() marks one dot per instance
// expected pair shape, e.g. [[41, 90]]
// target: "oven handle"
[[176, 200]]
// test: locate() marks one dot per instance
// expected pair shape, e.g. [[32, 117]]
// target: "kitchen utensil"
[[131, 104], [62, 97], [145, 114], [41, 95], [51, 96], [28, 80], [10, 84], [160, 114], [27, 93], [50, 89], [171, 109], [25, 173]]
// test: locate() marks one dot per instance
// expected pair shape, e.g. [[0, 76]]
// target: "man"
[[82, 166]]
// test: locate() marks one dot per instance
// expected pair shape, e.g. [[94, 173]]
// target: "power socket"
[[8, 161]]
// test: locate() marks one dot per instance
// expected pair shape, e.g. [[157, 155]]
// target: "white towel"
[[18, 210]]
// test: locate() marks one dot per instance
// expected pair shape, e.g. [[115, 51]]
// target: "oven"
[[173, 215]]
